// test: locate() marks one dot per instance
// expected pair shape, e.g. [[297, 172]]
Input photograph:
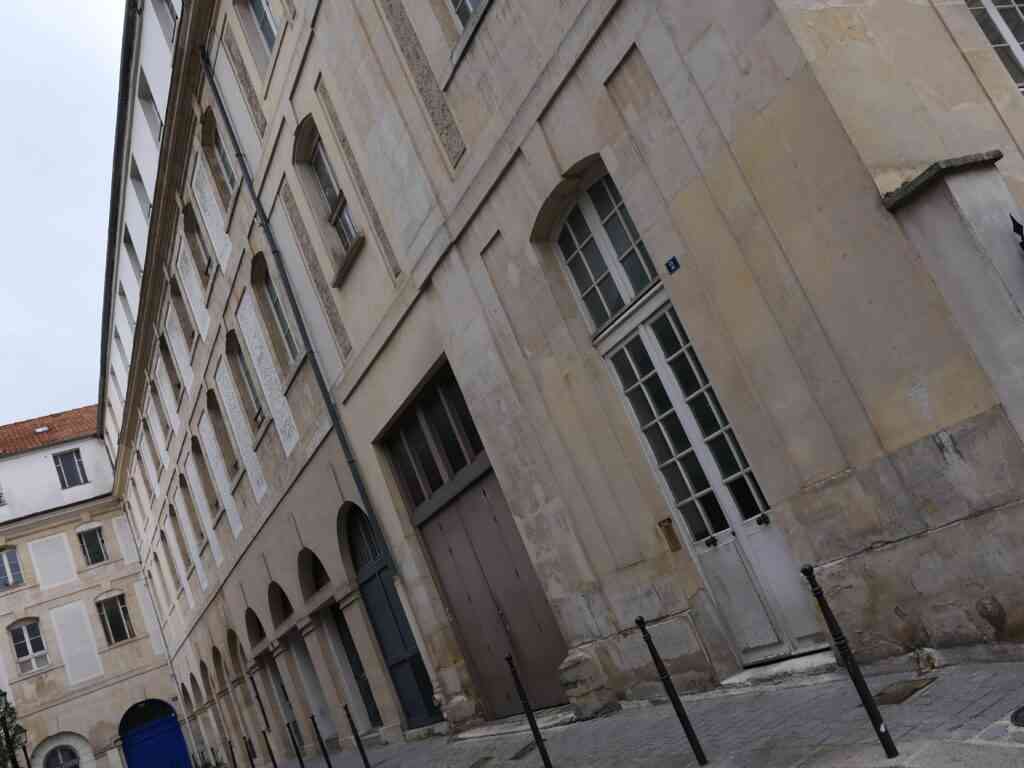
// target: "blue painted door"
[[158, 744]]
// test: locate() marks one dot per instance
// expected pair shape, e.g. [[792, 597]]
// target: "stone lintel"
[[908, 190]]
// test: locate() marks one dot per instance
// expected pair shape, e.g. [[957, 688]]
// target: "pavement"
[[959, 720]]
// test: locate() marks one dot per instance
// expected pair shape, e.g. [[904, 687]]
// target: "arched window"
[[1002, 21], [196, 246], [219, 672], [220, 431], [144, 475], [161, 599], [61, 757], [29, 646], [150, 442], [198, 530], [169, 559], [261, 27], [312, 159], [184, 314], [179, 536], [254, 628], [603, 253], [158, 407], [252, 401], [273, 312], [312, 574], [235, 653], [280, 605], [169, 365], [217, 158], [207, 488], [361, 541]]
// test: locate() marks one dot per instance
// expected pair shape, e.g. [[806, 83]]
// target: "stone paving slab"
[[952, 723]]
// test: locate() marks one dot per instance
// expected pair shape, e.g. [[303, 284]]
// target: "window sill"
[[37, 673], [95, 566], [459, 51], [120, 644], [347, 259]]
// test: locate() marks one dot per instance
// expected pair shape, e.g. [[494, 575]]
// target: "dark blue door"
[[158, 744]]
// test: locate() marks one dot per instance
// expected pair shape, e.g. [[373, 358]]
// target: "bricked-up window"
[[70, 469], [1002, 21], [601, 248], [29, 648], [464, 9], [10, 569], [117, 624], [434, 439], [94, 547]]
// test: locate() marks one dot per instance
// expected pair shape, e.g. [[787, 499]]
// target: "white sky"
[[58, 98]]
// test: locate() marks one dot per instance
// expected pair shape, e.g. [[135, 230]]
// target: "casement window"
[[29, 648], [603, 253], [197, 248], [170, 366], [223, 436], [434, 440], [250, 392], [168, 16], [122, 297], [70, 469], [217, 158], [464, 9], [266, 24], [133, 256], [150, 111], [189, 502], [180, 308], [94, 547], [61, 757], [224, 165], [340, 216], [1002, 21], [140, 190], [273, 312], [10, 569], [117, 624]]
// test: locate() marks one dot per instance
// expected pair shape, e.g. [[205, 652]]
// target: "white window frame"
[[339, 211], [609, 256], [33, 660], [120, 606], [98, 531], [79, 465], [11, 575], [1004, 30]]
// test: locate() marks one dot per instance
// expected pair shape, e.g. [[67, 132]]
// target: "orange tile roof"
[[66, 425]]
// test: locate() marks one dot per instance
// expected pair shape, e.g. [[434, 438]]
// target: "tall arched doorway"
[[390, 625], [151, 736]]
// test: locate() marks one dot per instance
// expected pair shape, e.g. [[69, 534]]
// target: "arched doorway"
[[151, 736], [390, 625]]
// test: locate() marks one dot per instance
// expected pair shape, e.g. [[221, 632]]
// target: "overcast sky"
[[58, 88]]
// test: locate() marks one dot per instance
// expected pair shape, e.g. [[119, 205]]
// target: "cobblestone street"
[[959, 720]]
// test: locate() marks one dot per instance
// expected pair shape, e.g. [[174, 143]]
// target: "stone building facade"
[[443, 331], [82, 645]]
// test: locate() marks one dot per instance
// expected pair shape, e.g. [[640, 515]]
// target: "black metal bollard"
[[673, 695], [250, 751], [356, 738], [320, 740], [295, 745], [843, 646], [270, 750], [529, 713]]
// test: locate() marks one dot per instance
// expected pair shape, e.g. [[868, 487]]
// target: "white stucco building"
[[82, 647]]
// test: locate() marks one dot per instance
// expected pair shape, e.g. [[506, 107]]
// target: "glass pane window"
[[117, 624], [280, 317], [324, 175], [265, 21], [695, 480], [61, 757], [607, 261], [1002, 21], [70, 469], [29, 648], [94, 548], [434, 441], [10, 569], [227, 170], [464, 9]]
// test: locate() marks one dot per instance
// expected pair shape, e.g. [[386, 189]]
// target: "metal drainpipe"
[[332, 408]]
